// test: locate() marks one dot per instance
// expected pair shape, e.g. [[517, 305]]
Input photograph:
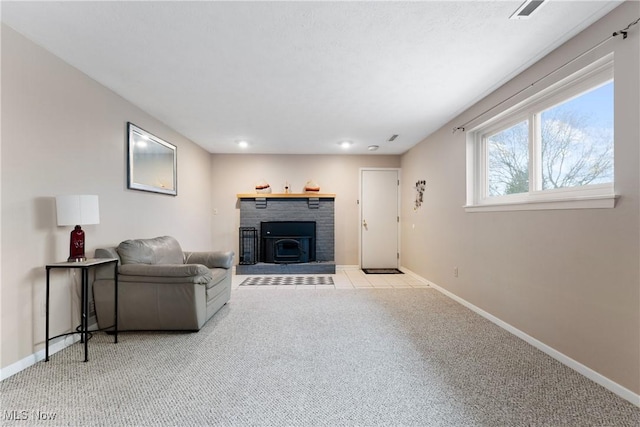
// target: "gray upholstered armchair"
[[161, 287]]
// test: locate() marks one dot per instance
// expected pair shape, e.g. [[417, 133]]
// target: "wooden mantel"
[[286, 196]]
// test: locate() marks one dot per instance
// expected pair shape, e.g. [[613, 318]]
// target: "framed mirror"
[[151, 162]]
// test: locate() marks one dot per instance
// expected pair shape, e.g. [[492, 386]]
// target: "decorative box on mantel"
[[317, 207]]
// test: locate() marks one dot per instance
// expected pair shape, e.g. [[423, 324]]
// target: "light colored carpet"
[[381, 357], [286, 280]]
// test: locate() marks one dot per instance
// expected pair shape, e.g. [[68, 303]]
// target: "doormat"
[[287, 280], [382, 271]]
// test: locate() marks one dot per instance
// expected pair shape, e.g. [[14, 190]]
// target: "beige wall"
[[233, 174], [569, 278], [62, 133]]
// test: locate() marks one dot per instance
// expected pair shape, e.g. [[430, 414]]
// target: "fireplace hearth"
[[256, 209], [284, 242]]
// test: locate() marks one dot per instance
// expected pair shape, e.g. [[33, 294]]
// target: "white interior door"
[[379, 218]]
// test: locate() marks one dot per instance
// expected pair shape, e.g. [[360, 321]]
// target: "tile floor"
[[345, 278]]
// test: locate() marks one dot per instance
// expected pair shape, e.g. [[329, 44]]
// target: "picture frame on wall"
[[151, 162]]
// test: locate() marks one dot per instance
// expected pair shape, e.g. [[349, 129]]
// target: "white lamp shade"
[[77, 210]]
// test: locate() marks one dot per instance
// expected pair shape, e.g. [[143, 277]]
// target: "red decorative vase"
[[76, 249]]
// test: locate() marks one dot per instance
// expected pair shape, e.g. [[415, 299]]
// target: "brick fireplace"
[[256, 209]]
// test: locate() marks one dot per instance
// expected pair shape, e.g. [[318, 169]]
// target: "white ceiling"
[[299, 77]]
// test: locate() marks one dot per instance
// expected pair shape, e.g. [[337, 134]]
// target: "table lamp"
[[77, 210]]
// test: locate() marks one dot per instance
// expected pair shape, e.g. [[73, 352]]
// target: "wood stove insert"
[[288, 241]]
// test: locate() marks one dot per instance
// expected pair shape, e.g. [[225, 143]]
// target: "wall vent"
[[527, 9]]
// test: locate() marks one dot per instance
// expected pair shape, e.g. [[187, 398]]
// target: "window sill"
[[588, 202]]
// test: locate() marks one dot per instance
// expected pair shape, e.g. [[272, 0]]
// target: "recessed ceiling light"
[[373, 147], [243, 144], [345, 144]]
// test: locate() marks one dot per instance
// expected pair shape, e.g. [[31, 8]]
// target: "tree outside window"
[[575, 147], [508, 168], [577, 141]]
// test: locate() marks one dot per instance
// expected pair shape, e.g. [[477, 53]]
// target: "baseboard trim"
[[594, 376], [347, 267], [54, 346]]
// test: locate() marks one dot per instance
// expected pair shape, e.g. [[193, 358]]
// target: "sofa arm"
[[196, 273], [214, 259], [106, 271]]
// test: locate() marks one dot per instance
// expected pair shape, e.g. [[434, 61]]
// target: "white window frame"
[[596, 74]]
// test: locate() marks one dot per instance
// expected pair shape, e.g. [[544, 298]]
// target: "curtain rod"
[[622, 32]]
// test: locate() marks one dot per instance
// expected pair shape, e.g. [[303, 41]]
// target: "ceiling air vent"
[[527, 9], [393, 137]]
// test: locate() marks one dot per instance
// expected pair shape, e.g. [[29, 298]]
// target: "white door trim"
[[399, 171]]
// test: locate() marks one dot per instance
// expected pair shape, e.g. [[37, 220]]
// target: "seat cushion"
[[159, 250]]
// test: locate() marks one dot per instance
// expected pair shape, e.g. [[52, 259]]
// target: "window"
[[551, 151], [577, 140], [508, 165]]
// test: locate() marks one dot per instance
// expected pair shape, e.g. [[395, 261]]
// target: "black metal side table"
[[83, 329]]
